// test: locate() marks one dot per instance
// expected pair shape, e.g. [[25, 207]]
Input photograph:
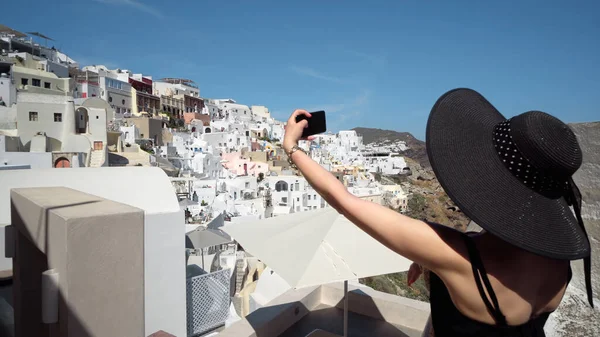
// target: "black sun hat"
[[513, 177]]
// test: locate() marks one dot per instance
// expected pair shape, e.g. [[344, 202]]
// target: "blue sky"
[[367, 63]]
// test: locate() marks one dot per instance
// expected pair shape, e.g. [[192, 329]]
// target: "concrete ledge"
[[295, 305], [393, 309], [278, 315]]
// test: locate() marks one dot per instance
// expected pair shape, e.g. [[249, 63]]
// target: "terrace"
[[95, 253]]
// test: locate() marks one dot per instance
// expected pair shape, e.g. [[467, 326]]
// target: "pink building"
[[243, 166]]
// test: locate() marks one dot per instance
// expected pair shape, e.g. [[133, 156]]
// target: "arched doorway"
[[81, 120], [62, 162]]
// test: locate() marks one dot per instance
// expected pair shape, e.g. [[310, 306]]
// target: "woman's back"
[[527, 288], [514, 178]]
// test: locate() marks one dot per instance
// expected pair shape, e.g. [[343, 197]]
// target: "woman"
[[513, 178]]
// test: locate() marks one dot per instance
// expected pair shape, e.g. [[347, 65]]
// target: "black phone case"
[[316, 123]]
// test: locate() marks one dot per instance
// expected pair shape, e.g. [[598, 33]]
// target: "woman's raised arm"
[[414, 239]]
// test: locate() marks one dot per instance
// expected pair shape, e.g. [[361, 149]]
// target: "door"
[[62, 162]]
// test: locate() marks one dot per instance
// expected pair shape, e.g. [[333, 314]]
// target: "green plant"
[[203, 203], [395, 284], [416, 206]]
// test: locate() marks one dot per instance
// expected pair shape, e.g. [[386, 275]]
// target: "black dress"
[[448, 321]]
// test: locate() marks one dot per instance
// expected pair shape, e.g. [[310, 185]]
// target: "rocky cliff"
[[575, 317]]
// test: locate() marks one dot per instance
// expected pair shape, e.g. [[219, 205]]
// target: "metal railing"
[[207, 301]]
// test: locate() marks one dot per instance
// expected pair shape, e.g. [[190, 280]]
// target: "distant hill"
[[416, 147]]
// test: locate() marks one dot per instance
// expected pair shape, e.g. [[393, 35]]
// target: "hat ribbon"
[[573, 198], [524, 170]]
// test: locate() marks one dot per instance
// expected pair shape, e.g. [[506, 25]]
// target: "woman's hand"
[[293, 130], [414, 272]]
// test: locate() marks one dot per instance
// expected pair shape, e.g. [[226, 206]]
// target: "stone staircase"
[[97, 158]]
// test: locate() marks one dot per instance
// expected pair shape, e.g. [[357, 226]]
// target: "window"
[[309, 197], [36, 82], [57, 117], [284, 199], [123, 101], [33, 116], [281, 186], [141, 135], [24, 81], [297, 199], [109, 99], [297, 187], [47, 85]]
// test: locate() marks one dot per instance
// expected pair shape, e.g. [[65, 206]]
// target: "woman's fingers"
[[414, 271], [297, 113]]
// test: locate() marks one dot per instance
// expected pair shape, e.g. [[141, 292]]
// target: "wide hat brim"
[[461, 150]]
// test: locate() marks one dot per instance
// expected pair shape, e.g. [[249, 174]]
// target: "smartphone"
[[316, 123]]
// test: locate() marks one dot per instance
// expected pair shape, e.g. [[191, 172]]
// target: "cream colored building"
[[37, 81], [149, 128], [260, 112]]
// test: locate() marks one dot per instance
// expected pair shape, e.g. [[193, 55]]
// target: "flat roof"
[[147, 188]]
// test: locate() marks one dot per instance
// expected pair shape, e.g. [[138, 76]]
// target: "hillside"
[[416, 148]]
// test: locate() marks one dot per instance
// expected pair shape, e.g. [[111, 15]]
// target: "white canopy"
[[316, 247]]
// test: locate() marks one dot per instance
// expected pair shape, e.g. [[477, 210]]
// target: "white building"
[[11, 156], [277, 132], [53, 60], [370, 193], [388, 165], [51, 123], [206, 164], [129, 134], [260, 112], [293, 192], [8, 90], [181, 88], [113, 87]]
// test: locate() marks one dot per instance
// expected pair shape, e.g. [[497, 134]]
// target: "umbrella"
[[204, 238], [323, 245], [38, 34], [10, 31]]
